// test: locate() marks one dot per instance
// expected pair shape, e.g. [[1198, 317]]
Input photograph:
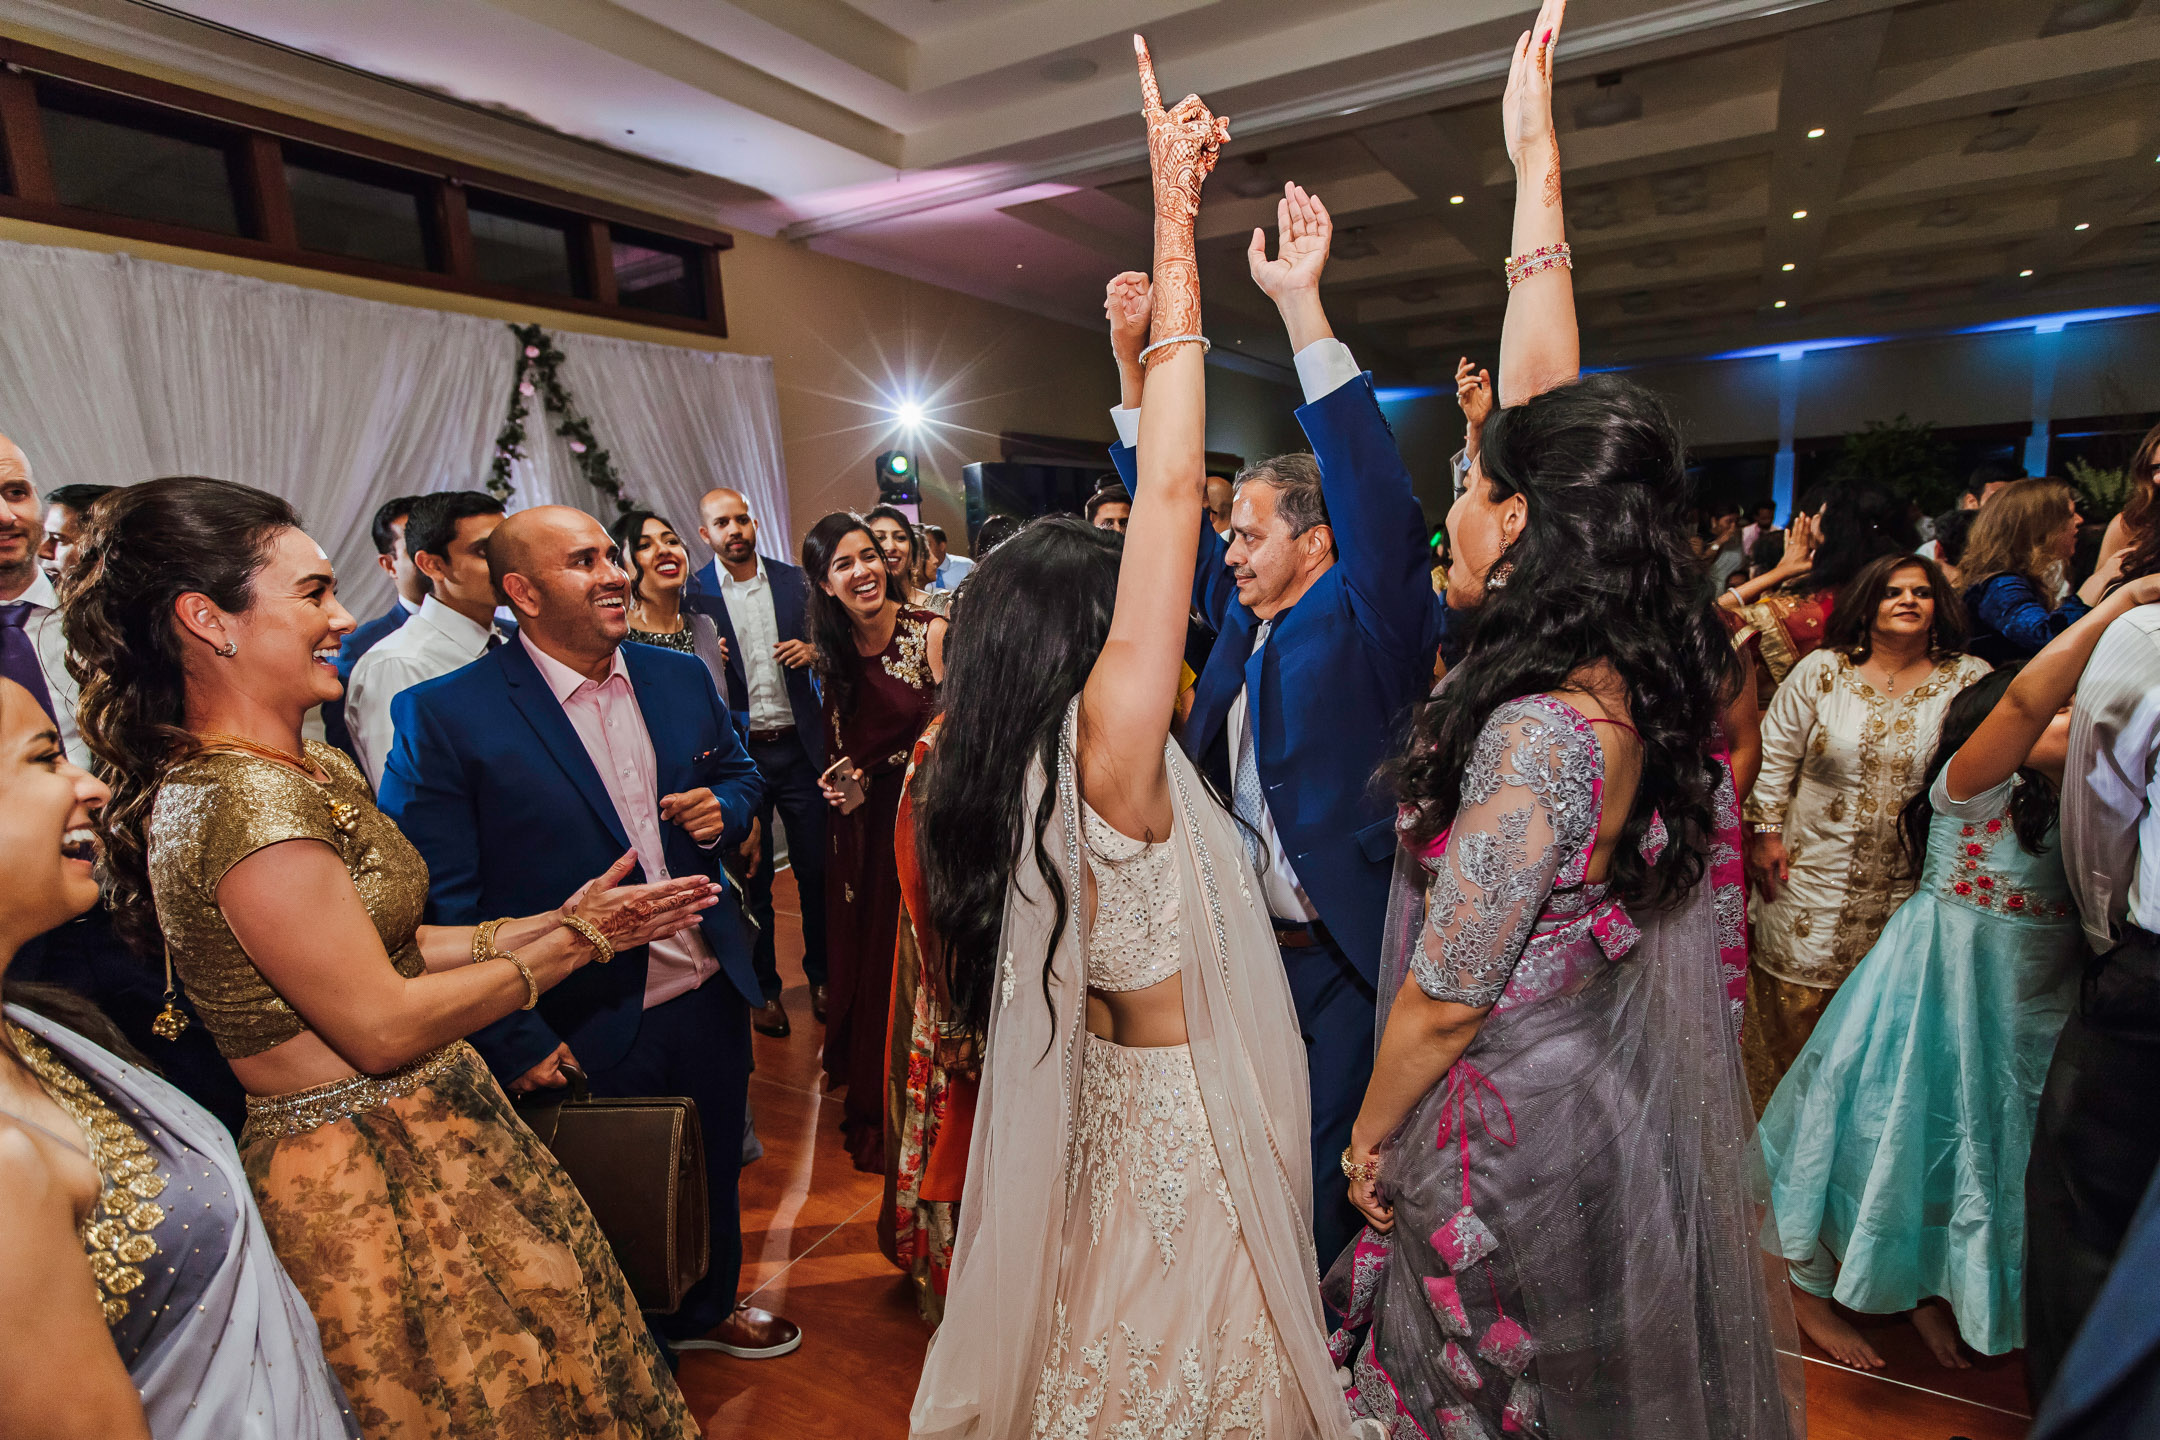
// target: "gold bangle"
[[483, 939], [532, 986], [1359, 1169], [602, 950]]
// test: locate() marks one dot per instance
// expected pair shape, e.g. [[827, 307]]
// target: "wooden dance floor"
[[810, 1253]]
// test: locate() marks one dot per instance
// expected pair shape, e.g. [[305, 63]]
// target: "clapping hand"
[[633, 915]]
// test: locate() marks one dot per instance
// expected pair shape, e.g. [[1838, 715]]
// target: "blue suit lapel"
[[671, 740], [530, 694], [788, 599], [1219, 686]]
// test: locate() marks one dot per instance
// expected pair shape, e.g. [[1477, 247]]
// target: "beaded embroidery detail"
[[1142, 1125], [1137, 905], [274, 1116], [909, 659], [1189, 1403], [117, 1233], [1976, 882]]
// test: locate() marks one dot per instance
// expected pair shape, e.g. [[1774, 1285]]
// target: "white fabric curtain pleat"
[[114, 370]]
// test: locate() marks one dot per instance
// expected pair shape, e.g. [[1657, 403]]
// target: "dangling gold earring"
[[171, 1022], [1499, 577]]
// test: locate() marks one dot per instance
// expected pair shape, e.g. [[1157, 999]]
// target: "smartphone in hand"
[[840, 776]]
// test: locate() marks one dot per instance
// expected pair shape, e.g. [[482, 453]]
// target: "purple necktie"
[[19, 656]]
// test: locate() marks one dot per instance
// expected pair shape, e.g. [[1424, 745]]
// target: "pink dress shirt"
[[606, 717]]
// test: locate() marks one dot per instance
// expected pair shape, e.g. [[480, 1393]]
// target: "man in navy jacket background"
[[1323, 603]]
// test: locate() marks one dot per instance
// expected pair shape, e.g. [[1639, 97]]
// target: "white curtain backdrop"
[[114, 370]]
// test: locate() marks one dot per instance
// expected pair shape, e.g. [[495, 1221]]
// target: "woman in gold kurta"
[[458, 1280], [1845, 743]]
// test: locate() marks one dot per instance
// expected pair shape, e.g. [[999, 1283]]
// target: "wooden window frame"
[[265, 202]]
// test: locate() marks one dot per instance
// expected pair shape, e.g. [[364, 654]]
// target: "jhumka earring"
[[172, 1021]]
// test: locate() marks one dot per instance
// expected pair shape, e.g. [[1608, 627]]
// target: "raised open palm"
[[1303, 232], [1526, 107]]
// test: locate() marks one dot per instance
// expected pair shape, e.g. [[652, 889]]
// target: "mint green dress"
[[1898, 1139]]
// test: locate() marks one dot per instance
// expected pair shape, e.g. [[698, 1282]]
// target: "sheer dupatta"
[[980, 1376]]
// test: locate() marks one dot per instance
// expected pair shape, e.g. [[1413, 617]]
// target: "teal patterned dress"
[[1898, 1139]]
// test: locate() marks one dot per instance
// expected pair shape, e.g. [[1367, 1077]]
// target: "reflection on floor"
[[810, 1243]]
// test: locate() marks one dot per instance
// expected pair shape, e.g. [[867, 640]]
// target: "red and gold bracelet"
[[1556, 256]]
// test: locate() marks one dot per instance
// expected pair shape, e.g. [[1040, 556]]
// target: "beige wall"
[[843, 338]]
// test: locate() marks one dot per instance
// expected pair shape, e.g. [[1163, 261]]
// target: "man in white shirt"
[[759, 606], [951, 569], [2095, 1143], [33, 649], [447, 536], [388, 533], [1323, 645]]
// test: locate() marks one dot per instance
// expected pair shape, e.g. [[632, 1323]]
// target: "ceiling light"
[[2073, 15], [2024, 274], [1816, 133], [1799, 214], [1786, 266], [2082, 225], [1777, 305], [1454, 199], [909, 413]]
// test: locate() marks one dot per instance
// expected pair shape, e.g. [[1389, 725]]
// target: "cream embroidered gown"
[[1161, 1328]]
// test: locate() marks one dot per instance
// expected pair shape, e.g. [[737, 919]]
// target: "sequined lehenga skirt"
[[457, 1276], [1161, 1327]]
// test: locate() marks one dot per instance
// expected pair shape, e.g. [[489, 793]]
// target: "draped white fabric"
[[114, 369]]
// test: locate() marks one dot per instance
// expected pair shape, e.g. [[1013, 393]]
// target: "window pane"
[[656, 274], [340, 212], [102, 162], [512, 248]]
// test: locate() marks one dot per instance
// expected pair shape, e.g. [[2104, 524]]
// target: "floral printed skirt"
[[1161, 1326], [460, 1283]]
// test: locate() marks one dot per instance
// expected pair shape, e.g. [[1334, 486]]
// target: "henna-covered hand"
[[1526, 107], [1183, 145]]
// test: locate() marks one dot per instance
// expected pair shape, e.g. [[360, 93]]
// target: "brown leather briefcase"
[[640, 1164]]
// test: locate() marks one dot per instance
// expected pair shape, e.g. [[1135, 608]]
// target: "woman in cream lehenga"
[[460, 1284], [1134, 1255]]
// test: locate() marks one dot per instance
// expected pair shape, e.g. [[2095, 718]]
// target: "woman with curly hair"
[[1845, 744], [2013, 567], [1574, 1255], [460, 1283]]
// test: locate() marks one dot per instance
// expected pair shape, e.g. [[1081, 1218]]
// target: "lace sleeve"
[[1528, 807]]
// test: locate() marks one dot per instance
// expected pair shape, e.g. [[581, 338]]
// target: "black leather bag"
[[640, 1164]]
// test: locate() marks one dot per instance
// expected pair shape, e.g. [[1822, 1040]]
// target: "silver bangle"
[[1205, 345]]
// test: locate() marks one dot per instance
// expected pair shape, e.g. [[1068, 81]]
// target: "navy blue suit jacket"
[[363, 639], [490, 781], [791, 599], [1341, 670]]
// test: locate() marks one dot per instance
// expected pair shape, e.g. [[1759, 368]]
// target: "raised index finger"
[[1150, 92]]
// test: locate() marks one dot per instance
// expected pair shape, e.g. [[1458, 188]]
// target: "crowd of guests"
[[1645, 840]]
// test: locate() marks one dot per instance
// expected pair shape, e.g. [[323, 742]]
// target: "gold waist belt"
[[296, 1112]]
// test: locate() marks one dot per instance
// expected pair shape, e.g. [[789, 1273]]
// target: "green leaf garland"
[[539, 375]]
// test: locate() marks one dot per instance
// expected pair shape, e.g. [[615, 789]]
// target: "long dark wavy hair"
[[831, 629], [1008, 681], [1860, 524], [1602, 571], [145, 546], [2032, 804], [1851, 627]]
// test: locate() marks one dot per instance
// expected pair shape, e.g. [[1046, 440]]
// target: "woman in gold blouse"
[[459, 1282]]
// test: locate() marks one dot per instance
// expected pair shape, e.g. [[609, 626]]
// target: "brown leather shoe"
[[772, 1020], [748, 1334], [817, 1002]]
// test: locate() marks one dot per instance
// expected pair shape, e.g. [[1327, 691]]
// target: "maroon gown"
[[894, 700]]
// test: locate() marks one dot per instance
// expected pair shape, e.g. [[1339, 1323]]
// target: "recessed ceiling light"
[[1816, 133], [1778, 305], [2024, 274], [1019, 267], [1786, 266], [2082, 225], [1799, 214], [1454, 199]]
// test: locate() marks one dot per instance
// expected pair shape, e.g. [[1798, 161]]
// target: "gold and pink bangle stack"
[[1546, 257]]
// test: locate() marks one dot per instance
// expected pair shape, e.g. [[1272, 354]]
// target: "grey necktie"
[[1247, 798]]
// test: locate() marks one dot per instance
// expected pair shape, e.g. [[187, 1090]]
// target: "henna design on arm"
[[1183, 145]]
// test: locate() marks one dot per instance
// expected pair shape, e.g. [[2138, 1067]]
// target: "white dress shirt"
[[757, 631], [953, 571], [609, 723], [2110, 818], [43, 628], [435, 641], [1323, 367]]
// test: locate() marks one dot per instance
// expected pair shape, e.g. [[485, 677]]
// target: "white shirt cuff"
[[1324, 367], [1128, 425]]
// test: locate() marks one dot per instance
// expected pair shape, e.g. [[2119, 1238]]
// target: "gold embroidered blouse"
[[216, 809]]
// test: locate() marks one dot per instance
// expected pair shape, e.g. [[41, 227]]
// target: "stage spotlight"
[[909, 413], [1816, 133]]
